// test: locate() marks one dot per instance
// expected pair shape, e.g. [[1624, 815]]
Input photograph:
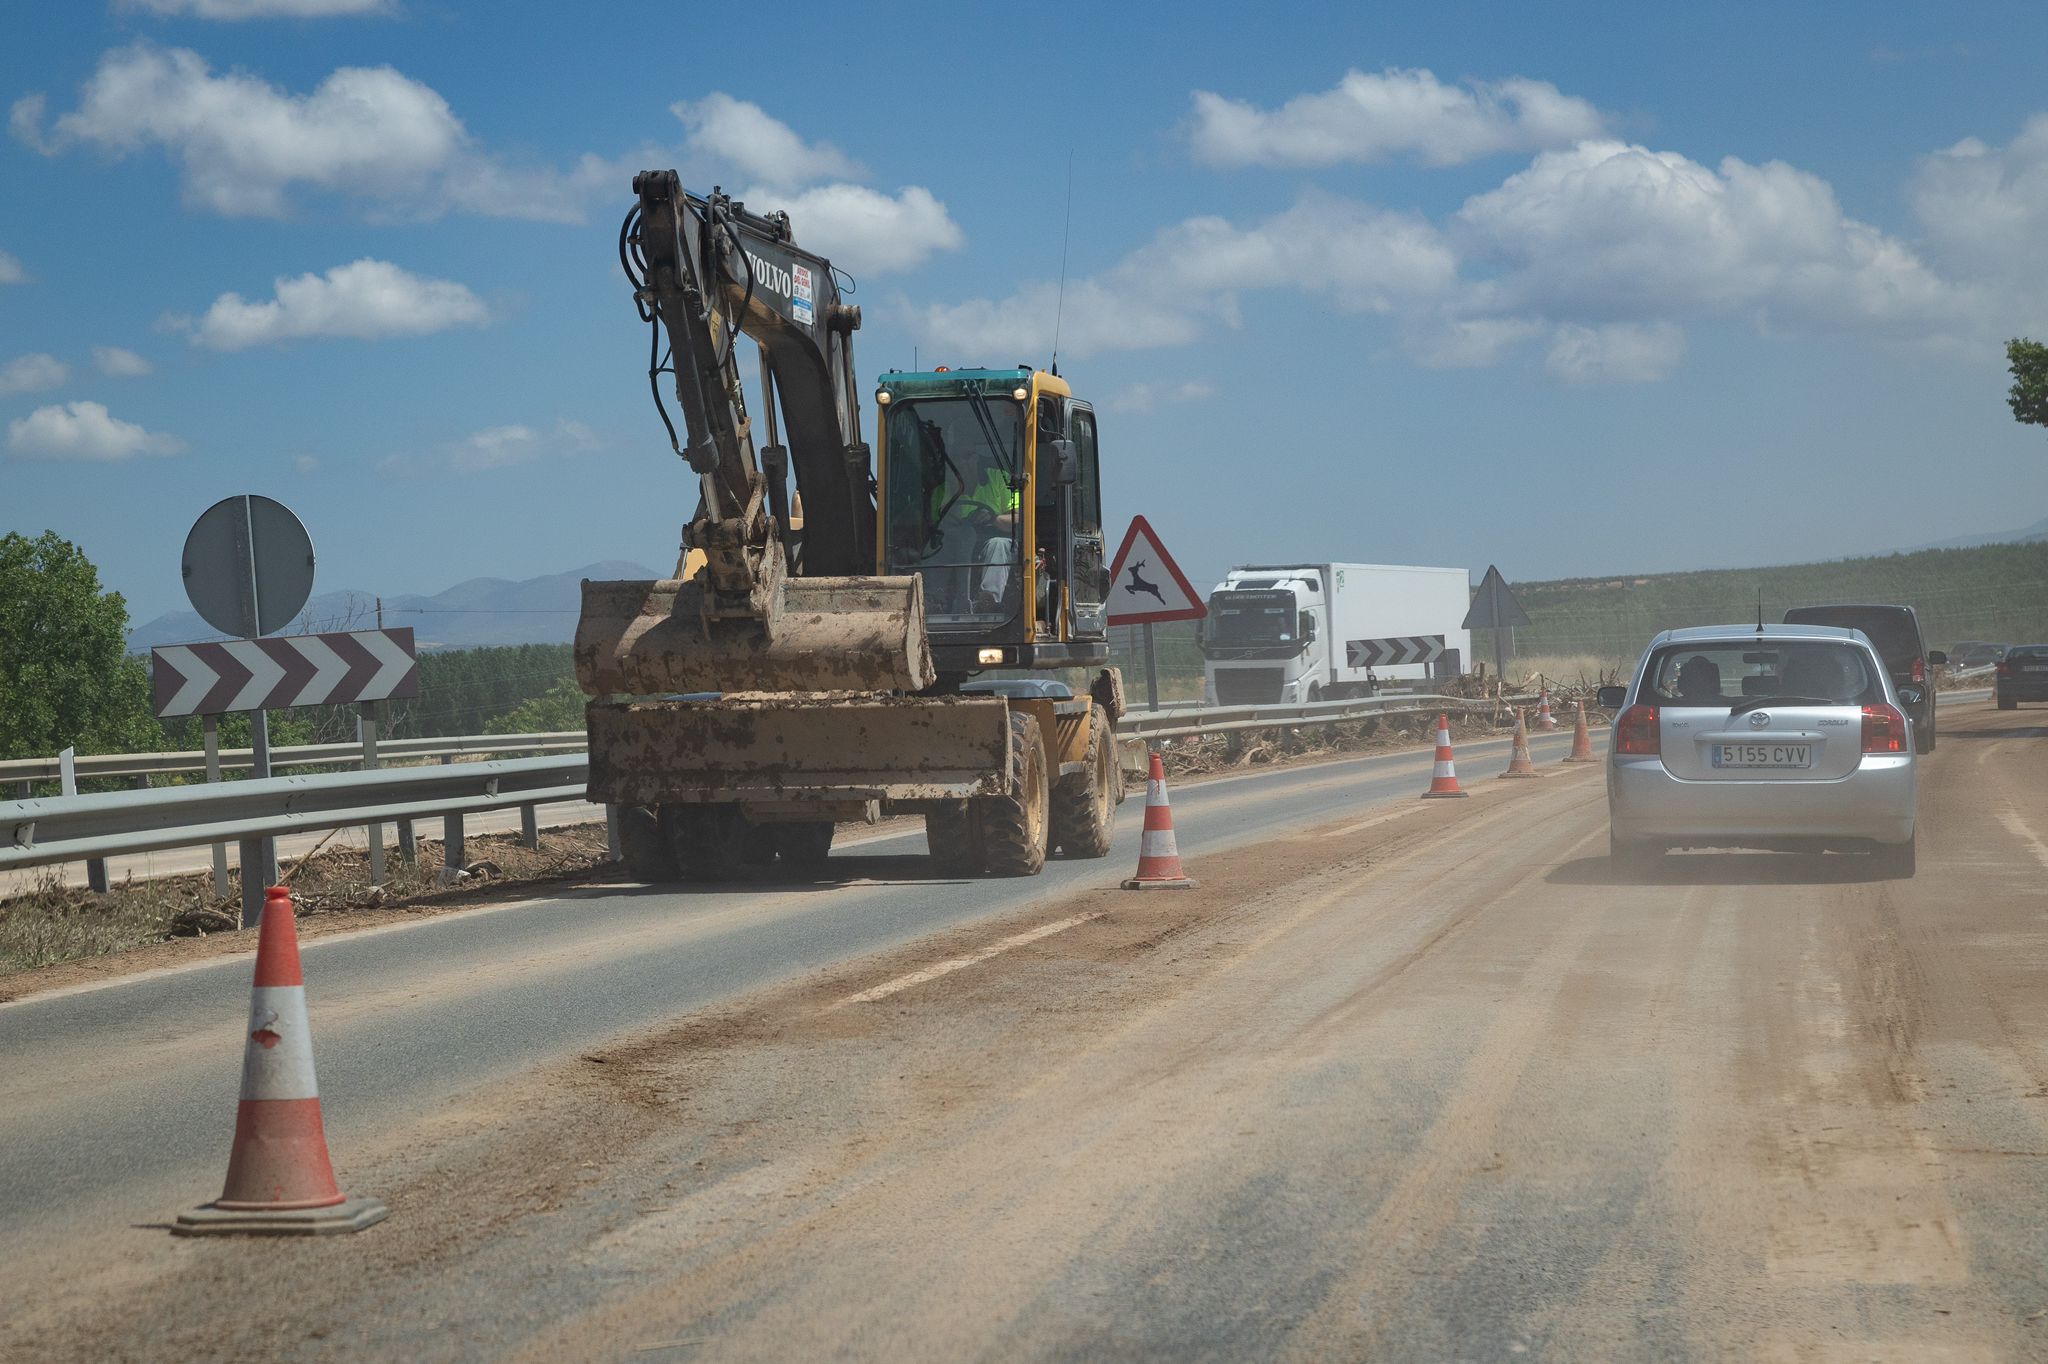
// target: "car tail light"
[[1637, 730], [1884, 730], [1919, 670], [2005, 670]]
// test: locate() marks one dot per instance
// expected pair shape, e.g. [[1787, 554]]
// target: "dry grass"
[[55, 922], [1572, 671]]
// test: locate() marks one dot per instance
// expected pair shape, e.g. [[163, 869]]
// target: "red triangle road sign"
[[1146, 585]]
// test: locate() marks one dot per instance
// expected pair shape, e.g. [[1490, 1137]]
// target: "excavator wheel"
[[714, 842], [647, 853], [953, 833], [1016, 829], [805, 846], [1084, 804]]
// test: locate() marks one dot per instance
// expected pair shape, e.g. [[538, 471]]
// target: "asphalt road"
[[1402, 1080]]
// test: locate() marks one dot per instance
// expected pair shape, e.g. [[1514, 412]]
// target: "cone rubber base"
[[1445, 795], [1164, 883], [351, 1214], [1505, 775], [1579, 760]]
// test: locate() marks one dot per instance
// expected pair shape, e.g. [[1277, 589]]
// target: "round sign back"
[[248, 566]]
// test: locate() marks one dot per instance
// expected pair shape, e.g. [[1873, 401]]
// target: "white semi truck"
[[1283, 633]]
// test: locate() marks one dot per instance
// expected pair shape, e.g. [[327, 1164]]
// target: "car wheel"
[[1633, 856], [1896, 861]]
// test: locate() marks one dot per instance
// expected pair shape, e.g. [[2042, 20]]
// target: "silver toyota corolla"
[[1777, 736]]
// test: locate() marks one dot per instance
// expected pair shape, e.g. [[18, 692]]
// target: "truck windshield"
[[1248, 618], [954, 502]]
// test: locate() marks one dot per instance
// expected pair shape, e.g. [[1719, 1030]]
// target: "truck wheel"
[[711, 842], [1084, 804], [646, 851], [953, 834], [1014, 828], [805, 846]]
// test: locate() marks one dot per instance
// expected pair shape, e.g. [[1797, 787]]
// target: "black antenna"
[[1759, 608], [1066, 235]]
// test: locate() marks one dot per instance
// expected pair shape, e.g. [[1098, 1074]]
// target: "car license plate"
[[2035, 668], [1763, 755]]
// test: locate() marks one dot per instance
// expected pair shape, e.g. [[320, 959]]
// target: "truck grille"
[[1248, 686]]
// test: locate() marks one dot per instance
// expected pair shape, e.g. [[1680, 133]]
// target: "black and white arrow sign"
[[1380, 653], [294, 670]]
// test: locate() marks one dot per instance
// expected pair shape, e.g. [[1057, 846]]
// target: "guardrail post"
[[408, 846], [615, 849], [451, 848], [367, 719], [67, 779], [259, 855], [529, 826], [210, 726]]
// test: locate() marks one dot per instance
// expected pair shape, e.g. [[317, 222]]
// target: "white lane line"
[[2011, 819], [946, 968]]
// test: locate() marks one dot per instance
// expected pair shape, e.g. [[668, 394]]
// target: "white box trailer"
[[1280, 633]]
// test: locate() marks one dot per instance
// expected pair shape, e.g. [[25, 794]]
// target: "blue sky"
[[1573, 290]]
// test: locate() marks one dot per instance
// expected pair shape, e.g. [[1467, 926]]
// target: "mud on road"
[[1427, 1082]]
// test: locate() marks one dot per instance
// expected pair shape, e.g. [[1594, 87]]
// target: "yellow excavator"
[[815, 659]]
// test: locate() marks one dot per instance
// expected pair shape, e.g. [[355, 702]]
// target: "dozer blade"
[[822, 634]]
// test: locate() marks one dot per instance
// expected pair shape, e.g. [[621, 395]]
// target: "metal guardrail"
[[74, 828], [299, 755], [1222, 719]]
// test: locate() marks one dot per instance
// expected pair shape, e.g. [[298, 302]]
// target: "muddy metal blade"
[[824, 634]]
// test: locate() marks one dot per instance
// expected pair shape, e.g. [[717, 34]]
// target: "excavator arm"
[[705, 271]]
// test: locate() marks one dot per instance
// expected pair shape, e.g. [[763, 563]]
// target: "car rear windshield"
[[1727, 674], [1891, 628], [2032, 653]]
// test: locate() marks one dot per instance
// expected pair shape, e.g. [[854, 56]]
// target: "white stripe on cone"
[[278, 1062], [1157, 843]]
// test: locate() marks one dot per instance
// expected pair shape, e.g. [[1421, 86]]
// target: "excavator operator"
[[991, 508]]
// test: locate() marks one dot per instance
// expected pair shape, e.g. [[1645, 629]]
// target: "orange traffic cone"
[[280, 1181], [1444, 784], [1544, 719], [1520, 764], [1158, 854], [1582, 741]]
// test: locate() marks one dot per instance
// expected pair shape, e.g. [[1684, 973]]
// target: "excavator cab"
[[988, 489]]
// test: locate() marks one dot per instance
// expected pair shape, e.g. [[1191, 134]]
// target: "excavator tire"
[[805, 846], [714, 842], [647, 853], [1016, 830], [953, 832], [1084, 804]]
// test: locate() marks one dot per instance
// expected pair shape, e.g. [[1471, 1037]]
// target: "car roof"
[[1704, 634]]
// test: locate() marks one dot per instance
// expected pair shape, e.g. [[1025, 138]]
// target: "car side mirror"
[[1936, 657], [1912, 695], [1610, 698], [1066, 465], [1308, 629]]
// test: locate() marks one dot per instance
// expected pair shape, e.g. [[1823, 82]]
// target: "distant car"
[[2022, 675], [1895, 630], [1786, 737], [1975, 653]]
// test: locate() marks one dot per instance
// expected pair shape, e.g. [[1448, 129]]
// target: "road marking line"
[[946, 968], [2011, 819]]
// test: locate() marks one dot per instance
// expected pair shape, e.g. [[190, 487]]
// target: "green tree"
[[560, 707], [2028, 361], [66, 679]]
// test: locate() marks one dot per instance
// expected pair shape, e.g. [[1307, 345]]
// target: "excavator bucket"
[[820, 634]]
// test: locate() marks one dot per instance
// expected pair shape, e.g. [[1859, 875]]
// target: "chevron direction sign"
[[288, 670], [1378, 653]]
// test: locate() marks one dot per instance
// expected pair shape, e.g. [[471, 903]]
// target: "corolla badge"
[[1759, 719]]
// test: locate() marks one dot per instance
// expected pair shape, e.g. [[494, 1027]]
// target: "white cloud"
[[1189, 277], [1141, 398], [763, 148], [1984, 213], [122, 364], [368, 132], [262, 9], [368, 300], [305, 465], [1612, 232], [84, 431], [499, 447], [1377, 116], [11, 271], [1619, 353], [32, 374], [1446, 342]]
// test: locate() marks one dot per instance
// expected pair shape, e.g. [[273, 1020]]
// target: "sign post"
[[1146, 587], [1494, 608]]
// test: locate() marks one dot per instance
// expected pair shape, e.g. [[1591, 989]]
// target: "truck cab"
[[1265, 641]]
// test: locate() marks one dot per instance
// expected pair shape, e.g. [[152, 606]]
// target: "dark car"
[[1974, 653], [1895, 630], [2022, 675]]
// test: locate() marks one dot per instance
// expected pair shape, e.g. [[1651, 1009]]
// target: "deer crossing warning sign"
[[1146, 585]]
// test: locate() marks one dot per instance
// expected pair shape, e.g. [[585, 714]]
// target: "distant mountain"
[[2037, 531], [481, 611]]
